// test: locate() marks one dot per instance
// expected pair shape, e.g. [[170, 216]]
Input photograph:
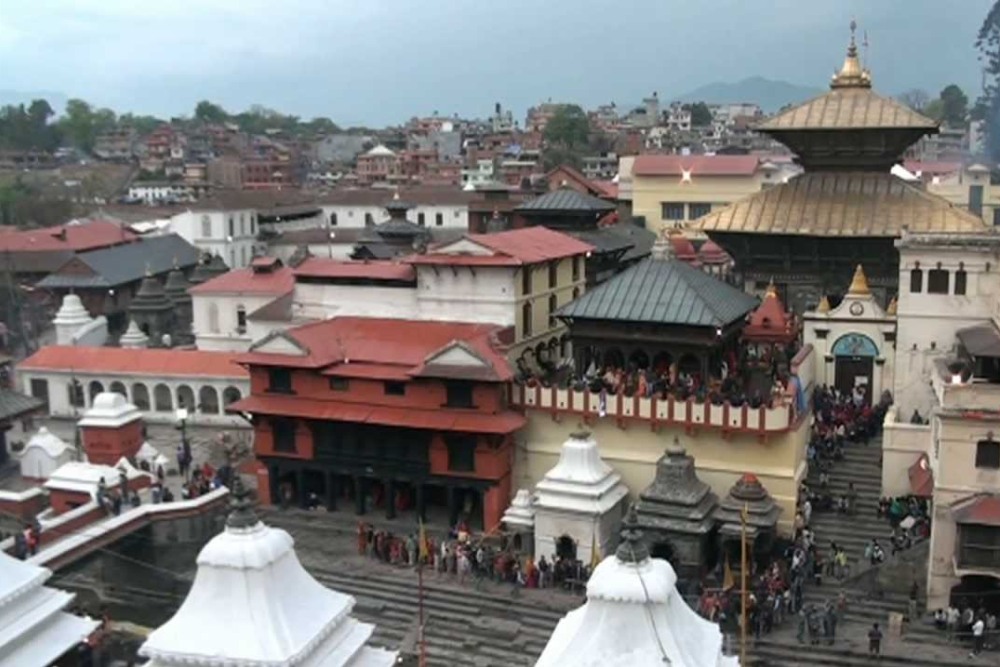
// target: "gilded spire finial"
[[852, 74], [893, 307], [859, 283], [824, 305], [772, 291]]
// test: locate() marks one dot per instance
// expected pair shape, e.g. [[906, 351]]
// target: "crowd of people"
[[975, 623], [467, 556]]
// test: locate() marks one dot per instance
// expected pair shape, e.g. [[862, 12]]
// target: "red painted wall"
[[25, 509], [107, 446]]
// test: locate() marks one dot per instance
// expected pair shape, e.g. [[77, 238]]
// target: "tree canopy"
[[988, 104], [82, 123], [28, 128], [954, 106], [568, 127], [701, 115]]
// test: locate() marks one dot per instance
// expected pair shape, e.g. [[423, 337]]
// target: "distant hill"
[[769, 94], [56, 100]]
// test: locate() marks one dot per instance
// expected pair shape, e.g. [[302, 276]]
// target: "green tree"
[[141, 124], [210, 113], [568, 127], [954, 106], [701, 115], [934, 109], [988, 104], [916, 99], [81, 123]]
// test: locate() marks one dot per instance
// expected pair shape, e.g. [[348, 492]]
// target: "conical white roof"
[[520, 513], [634, 617], [71, 313], [133, 337], [581, 481], [253, 604], [380, 150]]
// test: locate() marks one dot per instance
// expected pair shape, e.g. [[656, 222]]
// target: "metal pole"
[[743, 585], [422, 647]]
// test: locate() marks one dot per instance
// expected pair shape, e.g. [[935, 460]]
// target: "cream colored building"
[[670, 191], [965, 186]]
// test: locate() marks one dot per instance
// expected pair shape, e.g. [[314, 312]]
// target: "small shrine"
[[395, 237], [37, 629], [762, 518], [176, 287], [111, 429], [519, 521], [675, 513], [252, 603], [855, 341], [579, 503], [43, 454], [70, 318], [153, 312], [634, 616], [76, 483], [770, 338], [714, 260], [133, 338]]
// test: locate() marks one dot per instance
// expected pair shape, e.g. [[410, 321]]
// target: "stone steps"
[[789, 653]]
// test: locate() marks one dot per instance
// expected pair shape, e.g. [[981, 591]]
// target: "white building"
[[432, 207], [43, 454], [221, 306], [35, 629], [853, 342], [634, 617], [153, 193], [579, 503], [484, 172], [75, 326], [252, 603], [228, 233], [156, 381]]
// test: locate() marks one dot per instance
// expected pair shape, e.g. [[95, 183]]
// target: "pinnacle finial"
[[772, 291], [241, 513], [631, 549], [859, 283]]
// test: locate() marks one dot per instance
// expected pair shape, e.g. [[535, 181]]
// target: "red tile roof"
[[441, 419], [698, 165], [122, 361], [922, 477], [406, 344], [609, 189], [770, 322], [319, 267], [984, 510], [89, 235], [247, 281], [529, 245]]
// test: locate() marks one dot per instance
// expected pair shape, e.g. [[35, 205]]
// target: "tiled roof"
[[440, 419], [247, 281], [981, 510], [565, 200], [853, 108], [528, 245], [381, 341], [123, 361], [13, 404], [419, 196], [663, 292], [696, 165], [79, 237], [125, 263], [851, 204], [319, 267]]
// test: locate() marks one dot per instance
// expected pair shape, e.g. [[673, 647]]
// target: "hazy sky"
[[381, 61]]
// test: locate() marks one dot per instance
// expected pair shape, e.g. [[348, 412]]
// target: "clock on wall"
[[857, 309]]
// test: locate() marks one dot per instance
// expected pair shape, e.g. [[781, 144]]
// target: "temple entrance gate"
[[854, 364]]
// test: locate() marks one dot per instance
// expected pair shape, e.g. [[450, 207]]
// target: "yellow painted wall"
[[649, 192], [779, 463], [541, 330]]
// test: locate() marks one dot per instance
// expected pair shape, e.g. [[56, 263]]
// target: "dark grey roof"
[[566, 199], [127, 263], [641, 238], [663, 292], [13, 404]]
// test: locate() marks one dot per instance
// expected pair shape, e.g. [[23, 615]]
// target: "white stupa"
[[34, 629], [580, 499], [634, 617], [253, 604], [133, 337], [520, 514], [70, 318], [43, 454]]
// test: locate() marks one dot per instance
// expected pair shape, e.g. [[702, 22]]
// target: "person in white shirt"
[[977, 636]]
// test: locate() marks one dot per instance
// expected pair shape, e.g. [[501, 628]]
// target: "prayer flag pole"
[[743, 584]]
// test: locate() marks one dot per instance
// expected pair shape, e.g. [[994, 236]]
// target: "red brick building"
[[394, 415]]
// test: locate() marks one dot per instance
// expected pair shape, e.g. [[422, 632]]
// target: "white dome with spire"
[[634, 617], [134, 337], [581, 480], [253, 604]]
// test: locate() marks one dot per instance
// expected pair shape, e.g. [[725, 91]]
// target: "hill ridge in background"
[[770, 94]]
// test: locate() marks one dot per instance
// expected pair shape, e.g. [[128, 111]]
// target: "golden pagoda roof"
[[844, 204], [859, 283], [849, 105]]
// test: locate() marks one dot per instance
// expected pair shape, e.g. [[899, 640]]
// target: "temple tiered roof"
[[677, 501], [634, 617], [34, 629], [581, 481], [749, 493], [253, 604], [771, 323]]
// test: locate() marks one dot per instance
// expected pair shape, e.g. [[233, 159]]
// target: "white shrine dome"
[[71, 312], [634, 617], [252, 604], [51, 444], [581, 481]]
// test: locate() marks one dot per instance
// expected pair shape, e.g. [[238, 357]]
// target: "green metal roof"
[[659, 291]]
